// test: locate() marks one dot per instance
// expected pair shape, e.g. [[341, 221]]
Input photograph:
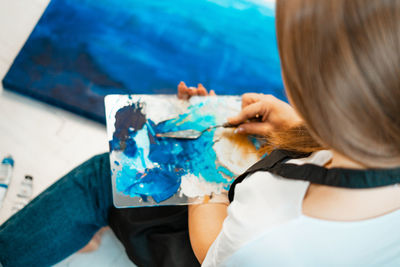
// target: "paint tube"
[[26, 188], [6, 170], [24, 193]]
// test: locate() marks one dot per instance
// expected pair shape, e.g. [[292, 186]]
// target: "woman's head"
[[341, 64]]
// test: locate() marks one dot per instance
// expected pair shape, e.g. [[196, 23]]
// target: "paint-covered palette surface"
[[148, 170]]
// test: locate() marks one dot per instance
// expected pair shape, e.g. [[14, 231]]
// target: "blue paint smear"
[[82, 50], [155, 168]]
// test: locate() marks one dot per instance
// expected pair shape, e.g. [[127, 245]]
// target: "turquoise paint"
[[156, 167]]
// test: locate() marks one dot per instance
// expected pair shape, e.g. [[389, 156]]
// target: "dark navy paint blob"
[[128, 120]]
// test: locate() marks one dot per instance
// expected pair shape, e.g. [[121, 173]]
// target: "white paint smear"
[[193, 186], [237, 157]]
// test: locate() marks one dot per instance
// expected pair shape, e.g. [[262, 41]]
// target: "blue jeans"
[[63, 219]]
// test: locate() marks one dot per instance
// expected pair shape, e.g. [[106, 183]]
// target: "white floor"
[[44, 141], [110, 253]]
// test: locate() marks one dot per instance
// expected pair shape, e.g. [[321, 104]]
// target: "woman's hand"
[[185, 92], [272, 113]]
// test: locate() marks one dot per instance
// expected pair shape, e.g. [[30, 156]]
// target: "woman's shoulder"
[[270, 196], [262, 200], [264, 188]]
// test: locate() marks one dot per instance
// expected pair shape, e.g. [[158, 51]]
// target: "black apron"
[[158, 236]]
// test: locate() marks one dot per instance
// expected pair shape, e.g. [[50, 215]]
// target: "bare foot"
[[94, 243]]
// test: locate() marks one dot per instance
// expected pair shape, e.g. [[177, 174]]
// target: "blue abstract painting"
[[82, 50], [148, 170]]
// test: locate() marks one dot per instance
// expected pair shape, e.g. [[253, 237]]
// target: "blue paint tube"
[[6, 170]]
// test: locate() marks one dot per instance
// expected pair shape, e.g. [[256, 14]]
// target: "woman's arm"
[[205, 223]]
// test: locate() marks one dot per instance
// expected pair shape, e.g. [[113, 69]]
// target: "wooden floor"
[[44, 141]]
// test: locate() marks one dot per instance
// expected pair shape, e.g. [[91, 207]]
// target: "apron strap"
[[265, 164], [338, 177]]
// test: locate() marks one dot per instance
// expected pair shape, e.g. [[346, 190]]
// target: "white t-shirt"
[[265, 227]]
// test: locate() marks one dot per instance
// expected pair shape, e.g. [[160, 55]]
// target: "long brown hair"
[[341, 65]]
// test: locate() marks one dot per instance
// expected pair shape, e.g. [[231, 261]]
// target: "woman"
[[340, 64]]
